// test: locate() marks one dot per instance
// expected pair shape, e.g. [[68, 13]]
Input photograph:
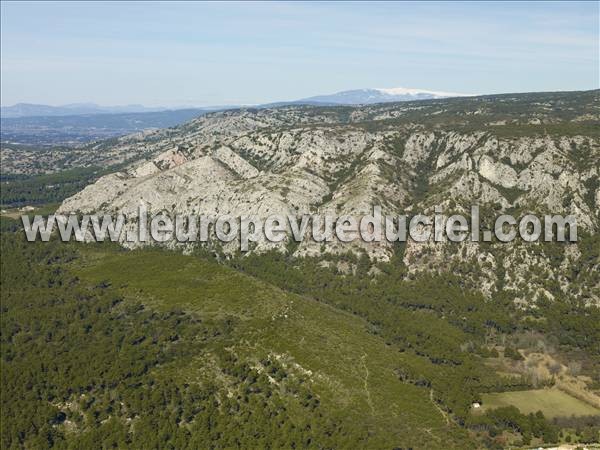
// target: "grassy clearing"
[[552, 402]]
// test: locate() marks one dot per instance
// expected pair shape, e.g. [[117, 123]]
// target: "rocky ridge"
[[515, 154]]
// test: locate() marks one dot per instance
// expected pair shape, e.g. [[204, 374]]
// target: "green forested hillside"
[[153, 349], [195, 356]]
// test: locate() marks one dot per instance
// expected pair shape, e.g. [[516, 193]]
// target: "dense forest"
[[80, 366], [19, 190]]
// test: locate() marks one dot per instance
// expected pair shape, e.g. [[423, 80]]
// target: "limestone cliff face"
[[405, 157]]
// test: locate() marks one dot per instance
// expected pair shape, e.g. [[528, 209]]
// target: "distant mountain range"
[[371, 96], [352, 97], [75, 124]]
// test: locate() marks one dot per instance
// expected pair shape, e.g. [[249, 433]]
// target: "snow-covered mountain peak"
[[409, 91]]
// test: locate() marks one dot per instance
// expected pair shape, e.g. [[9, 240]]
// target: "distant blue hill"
[[30, 110]]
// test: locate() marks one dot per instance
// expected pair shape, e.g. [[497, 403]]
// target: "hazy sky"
[[233, 53]]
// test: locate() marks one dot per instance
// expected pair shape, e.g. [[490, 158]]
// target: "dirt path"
[[366, 383], [442, 412]]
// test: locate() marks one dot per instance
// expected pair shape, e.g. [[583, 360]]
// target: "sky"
[[200, 54]]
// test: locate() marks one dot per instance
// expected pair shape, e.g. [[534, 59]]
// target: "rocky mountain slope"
[[513, 154]]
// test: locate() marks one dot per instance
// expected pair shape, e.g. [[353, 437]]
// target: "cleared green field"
[[552, 402]]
